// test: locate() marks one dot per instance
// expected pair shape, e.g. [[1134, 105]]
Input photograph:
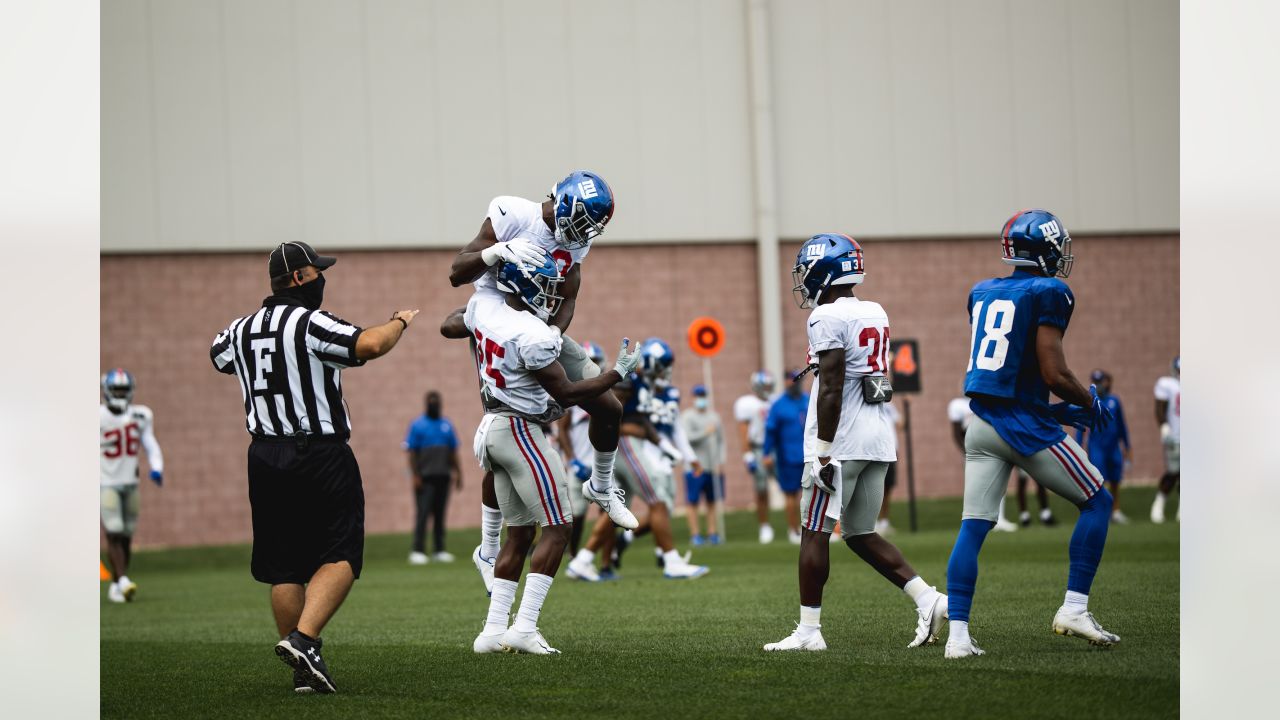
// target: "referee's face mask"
[[310, 293]]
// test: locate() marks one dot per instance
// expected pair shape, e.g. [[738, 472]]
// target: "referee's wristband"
[[402, 322]]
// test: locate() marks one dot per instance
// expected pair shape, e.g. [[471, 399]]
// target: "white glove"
[[825, 486], [1165, 432], [515, 250], [627, 361]]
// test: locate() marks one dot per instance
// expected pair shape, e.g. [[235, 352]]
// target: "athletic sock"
[[535, 591], [585, 556], [962, 568], [602, 471], [490, 531], [810, 617], [1075, 602], [920, 592], [1088, 540], [504, 596], [958, 630]]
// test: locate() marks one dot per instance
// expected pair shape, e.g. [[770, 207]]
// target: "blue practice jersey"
[[634, 406], [664, 410], [1003, 378]]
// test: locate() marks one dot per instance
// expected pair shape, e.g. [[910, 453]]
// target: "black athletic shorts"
[[891, 476], [308, 508]]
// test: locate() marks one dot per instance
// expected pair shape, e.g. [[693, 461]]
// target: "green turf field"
[[198, 640]]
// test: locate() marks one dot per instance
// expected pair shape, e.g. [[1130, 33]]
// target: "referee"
[[304, 484]]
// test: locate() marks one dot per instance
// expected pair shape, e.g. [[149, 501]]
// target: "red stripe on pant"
[[1084, 467], [637, 469], [551, 478], [515, 435], [1071, 473]]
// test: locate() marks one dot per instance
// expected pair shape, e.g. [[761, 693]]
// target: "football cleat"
[[682, 570], [1157, 510], [485, 566], [529, 643], [582, 571], [1119, 518], [766, 534], [128, 588], [114, 594], [304, 657], [960, 649], [793, 537], [1024, 519], [300, 685], [1003, 525], [801, 639], [608, 573], [611, 501], [1048, 520], [1083, 625], [488, 643], [442, 556], [418, 558], [929, 621]]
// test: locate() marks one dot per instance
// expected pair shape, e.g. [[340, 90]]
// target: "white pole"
[[766, 201], [717, 487]]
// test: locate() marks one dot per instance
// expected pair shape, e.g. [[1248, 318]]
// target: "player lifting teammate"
[[850, 438], [525, 388], [1015, 361]]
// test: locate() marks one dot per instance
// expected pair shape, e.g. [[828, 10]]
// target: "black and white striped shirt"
[[289, 360]]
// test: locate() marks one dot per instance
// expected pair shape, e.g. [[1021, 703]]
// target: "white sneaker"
[[883, 527], [1119, 518], [1157, 510], [929, 621], [114, 594], [488, 643], [443, 556], [128, 588], [417, 558], [584, 570], [960, 649], [793, 537], [683, 570], [611, 501], [1003, 525], [485, 566], [1083, 625], [766, 534], [531, 643], [800, 640]]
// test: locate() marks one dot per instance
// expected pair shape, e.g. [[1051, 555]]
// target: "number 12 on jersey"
[[988, 348]]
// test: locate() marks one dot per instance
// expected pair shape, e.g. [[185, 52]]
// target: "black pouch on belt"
[[876, 389]]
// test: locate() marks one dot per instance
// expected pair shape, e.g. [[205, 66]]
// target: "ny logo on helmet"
[[816, 250], [1050, 230], [588, 189]]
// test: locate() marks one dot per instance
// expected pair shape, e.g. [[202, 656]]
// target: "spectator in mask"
[[433, 462]]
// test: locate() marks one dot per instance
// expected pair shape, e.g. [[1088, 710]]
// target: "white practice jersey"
[[1169, 389], [510, 344], [579, 439], [514, 217], [752, 410], [121, 437], [958, 411], [865, 431]]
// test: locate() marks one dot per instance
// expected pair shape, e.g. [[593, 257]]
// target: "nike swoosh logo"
[[815, 322], [504, 212], [1069, 302]]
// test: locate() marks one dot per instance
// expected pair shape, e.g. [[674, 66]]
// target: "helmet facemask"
[[800, 292], [117, 396], [577, 229]]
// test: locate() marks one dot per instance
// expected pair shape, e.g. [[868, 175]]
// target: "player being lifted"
[[1015, 361], [526, 387], [123, 428], [520, 230], [850, 438], [579, 456]]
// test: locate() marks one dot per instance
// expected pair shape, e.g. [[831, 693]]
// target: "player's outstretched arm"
[[454, 327], [830, 392], [378, 340], [469, 264], [1054, 370], [553, 379]]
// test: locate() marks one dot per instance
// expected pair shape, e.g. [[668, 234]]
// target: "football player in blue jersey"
[[1015, 360], [1109, 448]]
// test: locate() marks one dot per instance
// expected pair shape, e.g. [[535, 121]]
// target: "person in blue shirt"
[[433, 461], [1109, 448], [784, 446], [1015, 360]]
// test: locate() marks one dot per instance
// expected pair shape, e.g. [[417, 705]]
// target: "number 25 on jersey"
[[989, 339]]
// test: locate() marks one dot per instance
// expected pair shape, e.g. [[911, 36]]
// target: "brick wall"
[[160, 312]]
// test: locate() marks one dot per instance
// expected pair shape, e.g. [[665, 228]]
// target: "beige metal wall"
[[231, 124]]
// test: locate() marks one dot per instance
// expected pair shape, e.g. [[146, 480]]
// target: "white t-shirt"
[[514, 217], [754, 411], [865, 431], [121, 436], [958, 411], [1169, 389], [510, 344], [579, 438]]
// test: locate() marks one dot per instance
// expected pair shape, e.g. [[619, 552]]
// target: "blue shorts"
[[699, 486], [1111, 466], [789, 477]]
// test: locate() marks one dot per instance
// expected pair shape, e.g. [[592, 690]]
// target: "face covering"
[[793, 390], [700, 403], [433, 411], [310, 295]]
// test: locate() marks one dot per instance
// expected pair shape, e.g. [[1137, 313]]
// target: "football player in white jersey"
[[576, 450], [849, 438], [123, 429], [750, 411], [1169, 414], [525, 388], [520, 230]]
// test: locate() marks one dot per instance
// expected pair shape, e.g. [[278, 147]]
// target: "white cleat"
[[961, 649], [584, 571], [1003, 525], [1083, 625], [442, 556], [418, 558], [793, 537], [611, 501], [114, 594], [929, 621], [128, 588], [801, 639], [683, 570], [485, 566], [1119, 518], [530, 643], [1157, 511], [488, 643], [766, 534]]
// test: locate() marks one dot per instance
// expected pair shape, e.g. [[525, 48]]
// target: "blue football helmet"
[[762, 383], [656, 359], [1037, 238], [595, 353], [1177, 366], [536, 286], [117, 389], [825, 260], [583, 206]]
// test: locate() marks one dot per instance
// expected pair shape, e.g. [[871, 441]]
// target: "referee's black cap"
[[290, 256]]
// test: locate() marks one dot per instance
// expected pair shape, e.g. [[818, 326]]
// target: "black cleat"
[[1047, 519], [300, 685], [303, 656]]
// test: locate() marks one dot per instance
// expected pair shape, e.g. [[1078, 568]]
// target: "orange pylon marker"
[[103, 572]]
